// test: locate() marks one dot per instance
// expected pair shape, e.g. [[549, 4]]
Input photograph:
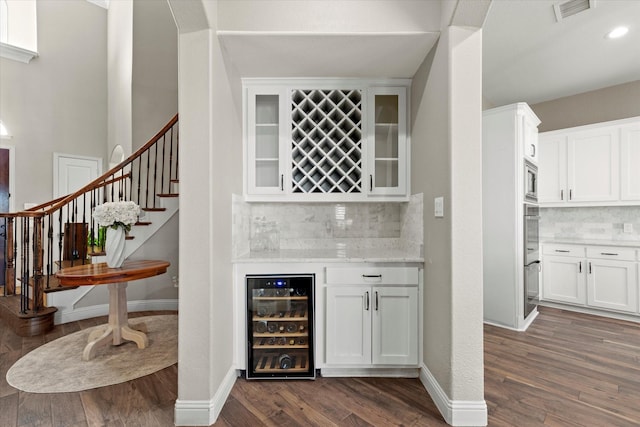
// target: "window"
[[18, 30]]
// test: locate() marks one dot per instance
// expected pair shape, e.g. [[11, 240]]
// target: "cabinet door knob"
[[376, 300], [281, 182], [589, 267], [533, 150], [366, 301], [580, 267], [561, 194], [370, 182]]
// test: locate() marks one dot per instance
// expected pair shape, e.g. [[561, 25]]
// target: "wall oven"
[[531, 258], [530, 182]]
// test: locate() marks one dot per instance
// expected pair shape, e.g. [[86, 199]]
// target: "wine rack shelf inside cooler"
[[270, 363], [280, 315]]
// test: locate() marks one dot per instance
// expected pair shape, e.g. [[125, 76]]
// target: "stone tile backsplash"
[[593, 223], [321, 225]]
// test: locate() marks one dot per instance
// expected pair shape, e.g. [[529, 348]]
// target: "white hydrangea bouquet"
[[117, 214]]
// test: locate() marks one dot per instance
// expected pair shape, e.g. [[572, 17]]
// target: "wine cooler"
[[280, 326]]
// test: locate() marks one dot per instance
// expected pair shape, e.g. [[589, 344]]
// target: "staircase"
[[61, 233]]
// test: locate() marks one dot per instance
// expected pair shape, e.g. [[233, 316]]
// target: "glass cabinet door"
[[387, 141], [265, 174]]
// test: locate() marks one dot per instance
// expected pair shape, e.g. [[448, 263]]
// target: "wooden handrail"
[[97, 182], [31, 254]]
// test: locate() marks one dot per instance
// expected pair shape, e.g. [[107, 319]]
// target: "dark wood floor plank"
[[567, 369], [9, 410]]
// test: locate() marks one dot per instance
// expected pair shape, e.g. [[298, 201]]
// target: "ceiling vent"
[[572, 7]]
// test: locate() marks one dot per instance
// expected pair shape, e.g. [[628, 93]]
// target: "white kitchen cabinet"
[[563, 279], [552, 169], [629, 161], [600, 277], [612, 285], [592, 165], [530, 137], [579, 167], [372, 325], [326, 140], [507, 135], [387, 145], [265, 166], [372, 316]]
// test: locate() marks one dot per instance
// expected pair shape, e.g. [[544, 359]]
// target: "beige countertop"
[[592, 242], [331, 255]]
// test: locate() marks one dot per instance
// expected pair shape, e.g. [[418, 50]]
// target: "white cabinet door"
[[530, 138], [552, 169], [387, 142], [593, 168], [265, 165], [612, 285], [564, 279], [348, 325], [395, 325], [629, 162]]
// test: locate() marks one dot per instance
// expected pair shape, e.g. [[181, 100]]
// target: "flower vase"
[[114, 246]]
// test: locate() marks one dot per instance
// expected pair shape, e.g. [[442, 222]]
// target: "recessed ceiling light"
[[617, 32]]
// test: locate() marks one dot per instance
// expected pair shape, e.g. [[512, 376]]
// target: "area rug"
[[57, 367]]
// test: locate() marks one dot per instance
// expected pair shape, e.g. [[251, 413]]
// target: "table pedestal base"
[[117, 331]]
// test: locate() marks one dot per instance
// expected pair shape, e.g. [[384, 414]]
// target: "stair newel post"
[[38, 254], [60, 235], [10, 254], [49, 249], [25, 272]]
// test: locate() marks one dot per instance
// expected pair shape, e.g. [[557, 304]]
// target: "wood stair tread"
[[11, 304], [143, 223], [168, 195], [154, 209]]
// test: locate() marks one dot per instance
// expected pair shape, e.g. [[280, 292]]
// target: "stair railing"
[[63, 232]]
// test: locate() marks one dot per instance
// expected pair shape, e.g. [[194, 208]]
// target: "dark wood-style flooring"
[[568, 369]]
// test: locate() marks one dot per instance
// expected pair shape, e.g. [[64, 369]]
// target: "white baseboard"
[[103, 309], [525, 325], [350, 372], [205, 412], [454, 412]]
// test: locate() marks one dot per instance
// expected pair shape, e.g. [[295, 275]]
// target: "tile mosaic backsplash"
[[592, 223], [322, 225]]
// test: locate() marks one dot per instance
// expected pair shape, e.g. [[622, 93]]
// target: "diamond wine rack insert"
[[326, 141]]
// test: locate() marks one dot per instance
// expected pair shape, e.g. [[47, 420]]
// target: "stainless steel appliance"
[[531, 258], [530, 182], [280, 316]]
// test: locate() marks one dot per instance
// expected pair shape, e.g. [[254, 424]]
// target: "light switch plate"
[[438, 204]]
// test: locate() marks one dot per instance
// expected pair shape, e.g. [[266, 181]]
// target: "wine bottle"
[[261, 327], [285, 361]]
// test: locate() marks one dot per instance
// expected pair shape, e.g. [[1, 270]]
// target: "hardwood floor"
[[568, 369]]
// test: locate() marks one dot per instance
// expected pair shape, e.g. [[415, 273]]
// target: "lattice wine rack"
[[326, 141]]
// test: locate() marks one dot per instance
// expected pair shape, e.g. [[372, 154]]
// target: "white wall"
[[57, 102], [329, 15], [120, 64], [446, 162], [155, 70]]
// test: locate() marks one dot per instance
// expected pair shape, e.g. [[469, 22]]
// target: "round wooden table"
[[117, 330]]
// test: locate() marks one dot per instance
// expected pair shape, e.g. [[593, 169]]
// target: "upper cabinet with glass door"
[[388, 173], [326, 140], [265, 172]]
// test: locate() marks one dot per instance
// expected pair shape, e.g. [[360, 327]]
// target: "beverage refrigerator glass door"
[[280, 315], [530, 182], [531, 258]]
